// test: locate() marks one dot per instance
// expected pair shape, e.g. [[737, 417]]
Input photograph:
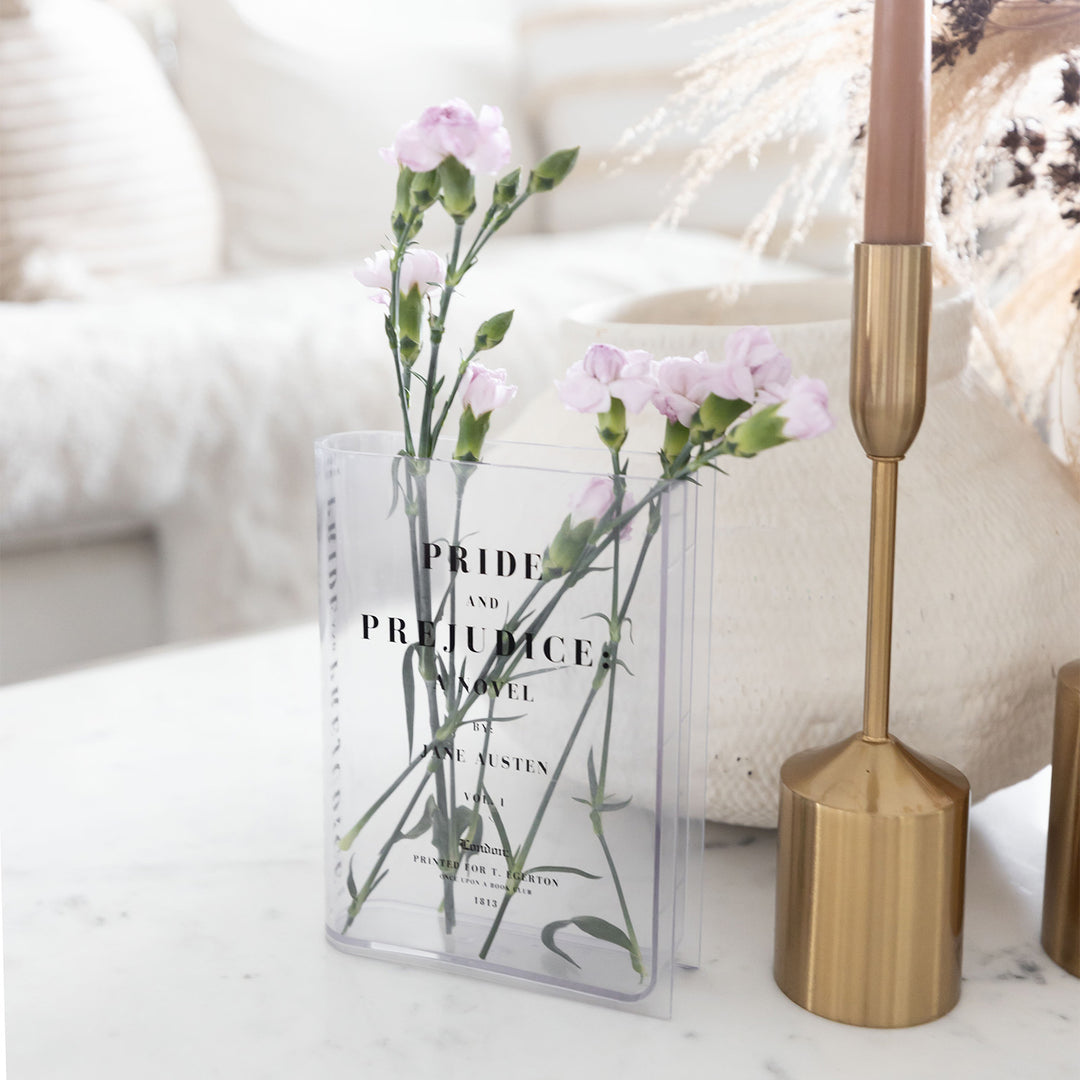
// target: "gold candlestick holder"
[[873, 836]]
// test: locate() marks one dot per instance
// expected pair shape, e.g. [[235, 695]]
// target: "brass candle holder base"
[[870, 885], [873, 836]]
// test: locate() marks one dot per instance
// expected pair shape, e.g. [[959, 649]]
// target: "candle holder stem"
[[880, 600]]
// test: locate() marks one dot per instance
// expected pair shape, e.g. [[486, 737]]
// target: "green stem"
[[478, 794], [438, 326], [422, 599], [346, 841], [486, 233], [619, 613], [522, 853], [395, 304], [636, 959], [384, 851], [450, 399]]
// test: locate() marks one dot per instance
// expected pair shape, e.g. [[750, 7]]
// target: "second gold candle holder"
[[873, 836]]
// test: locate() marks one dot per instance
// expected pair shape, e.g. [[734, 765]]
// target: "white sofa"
[[174, 338]]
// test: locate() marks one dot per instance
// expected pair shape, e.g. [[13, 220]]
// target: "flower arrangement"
[[739, 406]]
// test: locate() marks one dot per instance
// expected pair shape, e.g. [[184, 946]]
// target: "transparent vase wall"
[[480, 842]]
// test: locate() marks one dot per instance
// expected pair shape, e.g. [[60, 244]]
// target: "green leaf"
[[500, 828], [600, 615], [473, 830], [562, 870], [591, 925], [594, 784], [552, 171], [463, 816], [547, 936], [440, 831], [424, 823], [350, 881], [609, 806], [596, 927], [395, 483], [533, 672]]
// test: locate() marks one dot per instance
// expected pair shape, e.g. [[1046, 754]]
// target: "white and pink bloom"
[[483, 390], [751, 348], [607, 372], [596, 499], [452, 129], [805, 409], [425, 270], [754, 368], [683, 384]]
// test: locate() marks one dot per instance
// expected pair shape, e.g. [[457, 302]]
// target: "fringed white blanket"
[[195, 408]]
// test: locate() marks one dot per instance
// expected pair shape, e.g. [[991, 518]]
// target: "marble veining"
[[163, 917]]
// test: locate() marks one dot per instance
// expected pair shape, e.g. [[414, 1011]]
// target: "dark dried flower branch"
[[967, 21]]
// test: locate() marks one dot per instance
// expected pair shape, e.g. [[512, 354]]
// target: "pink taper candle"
[[896, 137]]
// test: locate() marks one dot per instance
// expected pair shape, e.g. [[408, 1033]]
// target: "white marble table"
[[162, 916]]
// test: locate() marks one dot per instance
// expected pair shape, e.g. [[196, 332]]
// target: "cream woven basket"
[[988, 556]]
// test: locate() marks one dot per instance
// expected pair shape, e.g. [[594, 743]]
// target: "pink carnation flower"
[[452, 129], [419, 267], [805, 409], [595, 500], [683, 384], [607, 372], [483, 390], [758, 366]]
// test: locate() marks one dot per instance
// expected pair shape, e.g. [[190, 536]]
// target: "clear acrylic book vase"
[[515, 692]]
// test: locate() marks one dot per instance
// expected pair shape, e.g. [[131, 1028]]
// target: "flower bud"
[[493, 331], [410, 321], [675, 439], [471, 433], [611, 425], [506, 189], [715, 414], [762, 431], [552, 171], [565, 549], [424, 189], [458, 189], [401, 202]]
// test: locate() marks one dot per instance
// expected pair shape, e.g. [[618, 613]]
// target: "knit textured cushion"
[[102, 181]]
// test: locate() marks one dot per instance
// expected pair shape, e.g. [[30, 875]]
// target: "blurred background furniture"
[[178, 319]]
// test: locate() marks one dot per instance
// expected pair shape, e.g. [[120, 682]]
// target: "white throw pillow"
[[593, 71], [293, 99], [102, 181]]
